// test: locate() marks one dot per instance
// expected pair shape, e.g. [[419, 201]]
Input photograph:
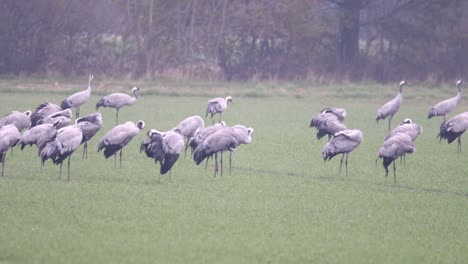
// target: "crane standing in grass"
[[393, 147], [446, 106], [329, 121], [390, 108], [76, 100], [9, 137], [117, 101], [342, 142], [188, 127], [217, 106], [454, 128]]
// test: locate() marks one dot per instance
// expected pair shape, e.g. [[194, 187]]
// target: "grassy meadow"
[[282, 203]]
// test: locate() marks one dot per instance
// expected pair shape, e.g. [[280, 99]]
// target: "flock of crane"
[[399, 141], [49, 128]]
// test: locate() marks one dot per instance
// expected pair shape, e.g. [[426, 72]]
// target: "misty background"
[[356, 40]]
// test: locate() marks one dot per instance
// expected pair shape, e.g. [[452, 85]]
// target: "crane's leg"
[[341, 164], [159, 179], [221, 161], [389, 124], [117, 116], [220, 115], [3, 163], [216, 165], [115, 160], [60, 171], [120, 158], [77, 113], [206, 164], [85, 150], [394, 172], [69, 161], [230, 162], [170, 174], [459, 145], [346, 164]]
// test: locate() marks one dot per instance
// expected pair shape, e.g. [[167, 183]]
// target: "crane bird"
[[202, 134], [164, 147], [393, 147], [407, 127], [243, 135], [43, 111], [217, 105], [9, 137], [117, 101], [218, 142], [342, 142], [39, 135], [66, 141], [20, 120], [63, 116], [446, 106], [390, 108], [89, 125], [118, 137], [454, 128], [328, 122], [76, 100], [188, 127]]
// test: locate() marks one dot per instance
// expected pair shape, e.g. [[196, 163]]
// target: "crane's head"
[[135, 89], [28, 113], [229, 99], [407, 121], [140, 124], [459, 82], [403, 83]]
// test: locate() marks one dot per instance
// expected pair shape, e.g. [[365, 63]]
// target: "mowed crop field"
[[281, 204]]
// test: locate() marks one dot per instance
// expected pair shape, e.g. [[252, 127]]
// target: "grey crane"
[[89, 125], [218, 142], [118, 137], [390, 108], [76, 100], [66, 141], [243, 135], [188, 127], [342, 142], [117, 101], [217, 106], [446, 106], [393, 147], [454, 128], [63, 116], [43, 111], [39, 135], [164, 147], [21, 120], [201, 134], [407, 127], [328, 122], [9, 137]]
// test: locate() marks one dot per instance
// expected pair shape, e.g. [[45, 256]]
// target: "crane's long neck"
[[135, 95], [459, 94]]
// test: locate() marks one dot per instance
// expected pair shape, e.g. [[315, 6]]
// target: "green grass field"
[[282, 203]]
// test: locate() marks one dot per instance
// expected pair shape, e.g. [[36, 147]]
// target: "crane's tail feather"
[[111, 150], [169, 161]]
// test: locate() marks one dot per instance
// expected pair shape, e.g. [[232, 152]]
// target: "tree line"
[[381, 40]]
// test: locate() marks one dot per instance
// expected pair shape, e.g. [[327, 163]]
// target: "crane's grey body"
[[20, 120], [89, 126], [445, 107], [393, 147], [9, 137], [217, 142], [164, 147], [42, 111], [118, 137], [342, 142], [202, 134], [390, 108], [39, 135], [243, 135], [454, 128], [188, 127], [76, 100], [66, 141], [217, 105], [64, 116], [407, 127], [329, 121], [117, 101]]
